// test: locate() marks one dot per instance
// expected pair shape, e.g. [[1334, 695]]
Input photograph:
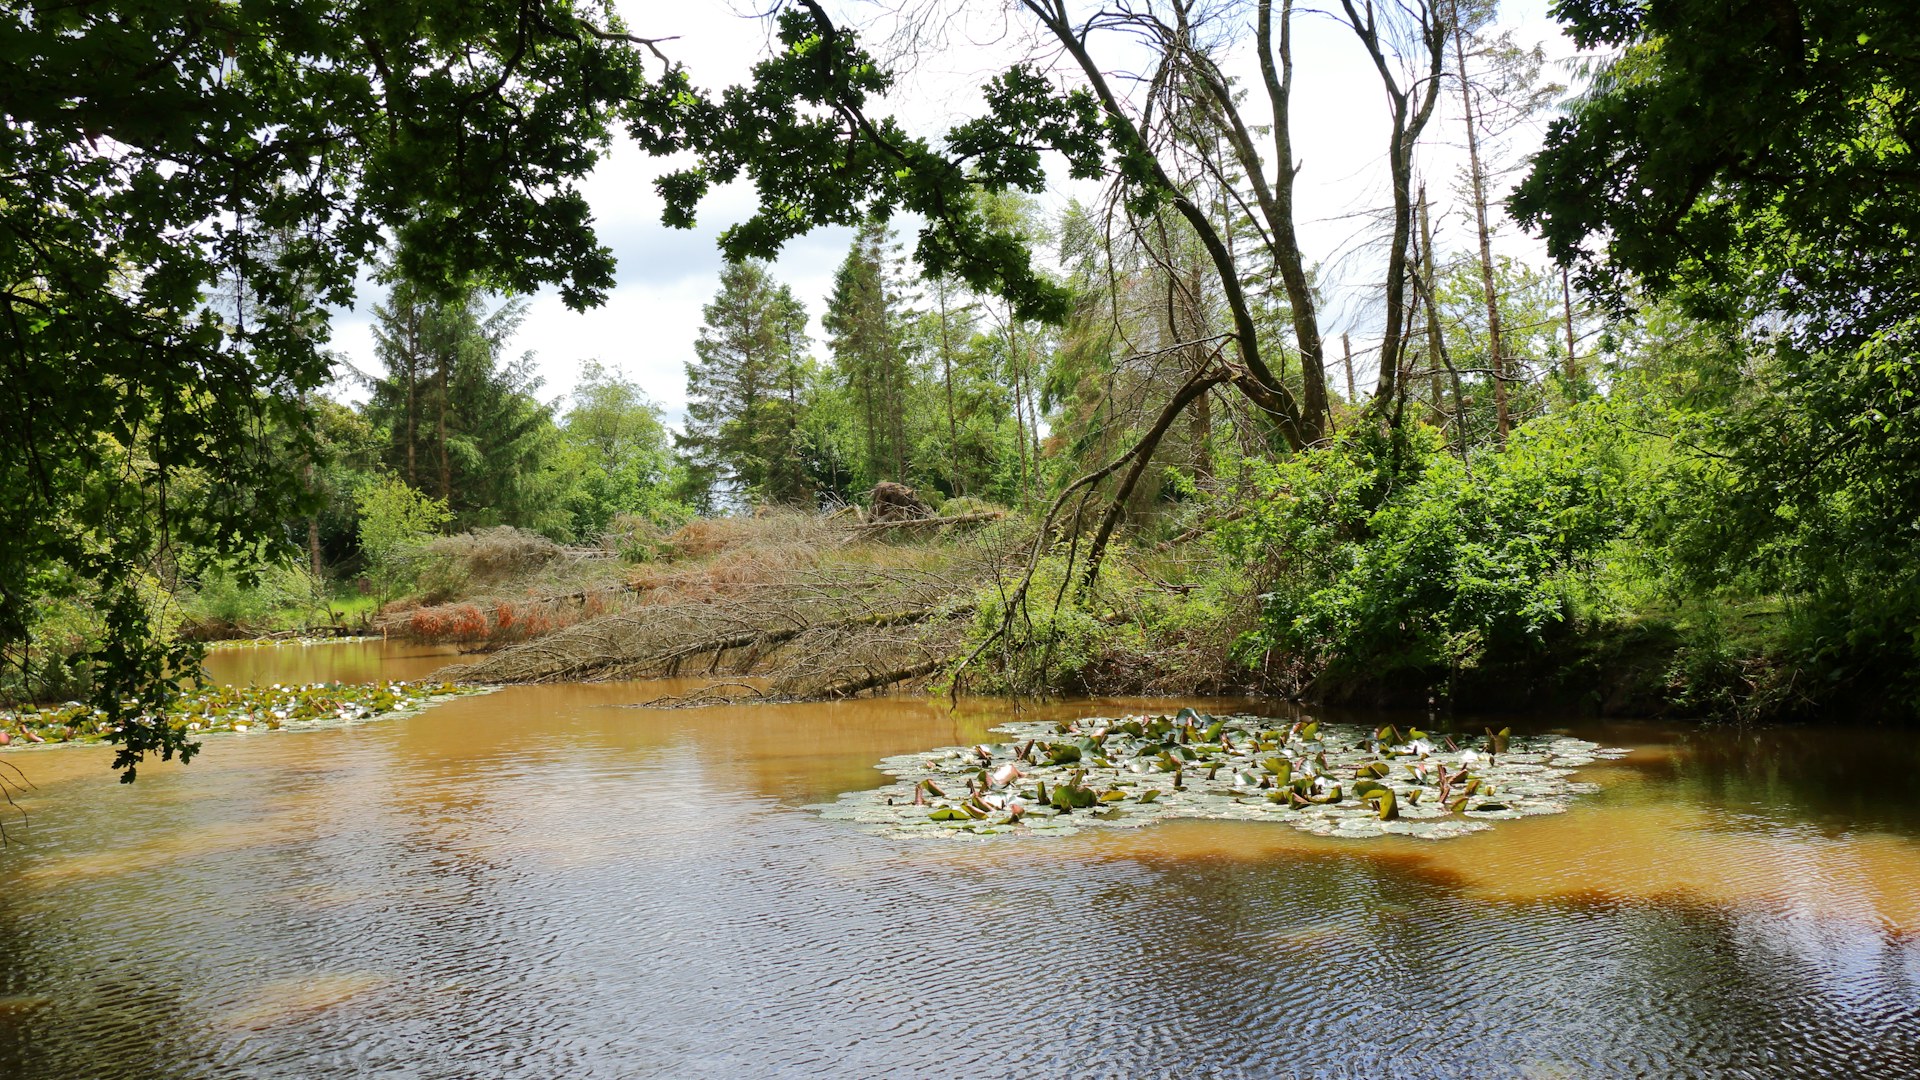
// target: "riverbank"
[[805, 607]]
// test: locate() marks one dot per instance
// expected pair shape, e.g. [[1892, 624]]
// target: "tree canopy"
[[148, 146]]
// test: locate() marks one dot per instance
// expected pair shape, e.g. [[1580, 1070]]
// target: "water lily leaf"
[[1375, 769], [1212, 734], [1383, 798], [1112, 795], [1149, 795], [1311, 732], [1062, 754], [948, 813]]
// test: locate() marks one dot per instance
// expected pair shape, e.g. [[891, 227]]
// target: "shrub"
[[1381, 556], [396, 522]]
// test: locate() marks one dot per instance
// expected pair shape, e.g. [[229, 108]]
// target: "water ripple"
[[499, 891]]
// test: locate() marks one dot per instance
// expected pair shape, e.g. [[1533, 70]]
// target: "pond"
[[540, 883]]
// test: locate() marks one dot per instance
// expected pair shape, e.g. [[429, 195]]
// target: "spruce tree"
[[865, 325], [748, 393]]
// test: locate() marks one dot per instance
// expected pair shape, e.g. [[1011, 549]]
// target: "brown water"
[[536, 884]]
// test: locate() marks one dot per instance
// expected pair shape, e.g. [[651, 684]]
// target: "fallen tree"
[[849, 619]]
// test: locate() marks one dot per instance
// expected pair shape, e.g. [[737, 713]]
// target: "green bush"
[[1381, 555], [396, 524]]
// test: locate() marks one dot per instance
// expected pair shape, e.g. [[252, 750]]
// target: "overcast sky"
[[648, 325]]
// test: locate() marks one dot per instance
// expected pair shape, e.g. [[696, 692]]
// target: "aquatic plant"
[[285, 642], [235, 708], [1130, 771]]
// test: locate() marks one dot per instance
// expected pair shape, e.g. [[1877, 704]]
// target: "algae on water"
[[1327, 779]]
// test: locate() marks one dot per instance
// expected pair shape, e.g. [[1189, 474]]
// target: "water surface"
[[538, 883]]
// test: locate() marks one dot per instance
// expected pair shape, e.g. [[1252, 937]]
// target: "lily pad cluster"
[[238, 709], [286, 642], [1328, 779]]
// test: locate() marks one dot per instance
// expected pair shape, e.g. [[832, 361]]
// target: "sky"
[[647, 328]]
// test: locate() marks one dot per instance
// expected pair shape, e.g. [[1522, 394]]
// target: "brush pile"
[[796, 602]]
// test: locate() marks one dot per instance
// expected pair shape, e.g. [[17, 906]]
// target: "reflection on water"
[[536, 884], [327, 661]]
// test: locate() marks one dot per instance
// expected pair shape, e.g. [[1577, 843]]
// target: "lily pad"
[[1242, 768]]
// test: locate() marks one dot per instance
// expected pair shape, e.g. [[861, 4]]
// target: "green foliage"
[[865, 323], [836, 165], [462, 420], [1383, 555], [231, 598], [1763, 152], [618, 457], [749, 393], [1050, 643], [396, 523], [1758, 165], [150, 149]]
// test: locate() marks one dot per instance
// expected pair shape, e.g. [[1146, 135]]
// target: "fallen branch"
[[902, 523], [851, 686], [762, 639]]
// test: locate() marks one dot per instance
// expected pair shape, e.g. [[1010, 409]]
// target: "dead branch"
[[851, 686], [907, 523]]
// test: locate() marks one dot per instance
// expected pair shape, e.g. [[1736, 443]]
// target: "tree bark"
[[1566, 298], [1297, 426], [1412, 107], [954, 480], [1434, 342], [1496, 346], [1196, 387], [1346, 359]]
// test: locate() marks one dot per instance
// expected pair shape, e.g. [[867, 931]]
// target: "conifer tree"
[[748, 393], [865, 322]]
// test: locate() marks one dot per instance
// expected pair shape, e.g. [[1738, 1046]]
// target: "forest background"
[[1682, 448]]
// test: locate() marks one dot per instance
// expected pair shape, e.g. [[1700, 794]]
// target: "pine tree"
[[463, 423], [865, 321], [748, 393]]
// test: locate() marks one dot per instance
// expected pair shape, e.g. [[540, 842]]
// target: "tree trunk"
[[1433, 314], [1496, 347], [1412, 108], [413, 384], [955, 482], [1196, 387], [1346, 360], [1299, 427], [1566, 298], [444, 380]]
